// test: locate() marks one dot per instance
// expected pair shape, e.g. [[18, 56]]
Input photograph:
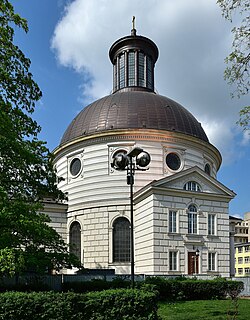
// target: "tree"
[[26, 168], [238, 61]]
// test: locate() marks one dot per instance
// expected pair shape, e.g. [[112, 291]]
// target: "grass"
[[205, 310]]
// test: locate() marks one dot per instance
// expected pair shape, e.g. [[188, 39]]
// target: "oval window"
[[173, 161], [75, 166]]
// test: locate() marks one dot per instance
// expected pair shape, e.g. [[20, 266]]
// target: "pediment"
[[208, 185]]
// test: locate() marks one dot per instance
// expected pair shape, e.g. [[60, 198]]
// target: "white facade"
[[99, 194], [163, 197], [181, 223]]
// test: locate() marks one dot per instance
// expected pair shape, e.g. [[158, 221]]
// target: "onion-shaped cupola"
[[133, 58]]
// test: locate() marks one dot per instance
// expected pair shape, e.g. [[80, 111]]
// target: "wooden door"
[[193, 263]]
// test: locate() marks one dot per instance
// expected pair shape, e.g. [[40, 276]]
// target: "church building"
[[180, 210]]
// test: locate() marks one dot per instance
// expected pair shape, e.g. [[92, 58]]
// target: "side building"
[[242, 260], [239, 243]]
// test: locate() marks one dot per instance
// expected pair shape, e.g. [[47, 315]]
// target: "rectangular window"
[[141, 77], [240, 250], [247, 249], [149, 73], [247, 271], [172, 221], [247, 259], [240, 271], [131, 69], [211, 224], [115, 77], [122, 71], [173, 260], [211, 261], [240, 260], [192, 222]]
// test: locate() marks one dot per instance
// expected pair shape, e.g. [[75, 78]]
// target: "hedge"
[[119, 304], [193, 289]]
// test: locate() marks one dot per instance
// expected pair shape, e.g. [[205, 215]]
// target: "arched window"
[[192, 219], [121, 240], [75, 239], [192, 186], [207, 169]]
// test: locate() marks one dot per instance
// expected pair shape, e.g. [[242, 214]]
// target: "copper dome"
[[133, 109]]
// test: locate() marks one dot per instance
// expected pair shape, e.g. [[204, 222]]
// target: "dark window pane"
[[131, 68], [75, 239], [141, 77], [121, 240], [122, 71], [208, 169], [173, 161], [149, 73], [75, 166]]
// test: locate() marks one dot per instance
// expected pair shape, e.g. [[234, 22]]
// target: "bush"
[[122, 304], [190, 289], [106, 305]]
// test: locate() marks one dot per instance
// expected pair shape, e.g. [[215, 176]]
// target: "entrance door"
[[193, 263]]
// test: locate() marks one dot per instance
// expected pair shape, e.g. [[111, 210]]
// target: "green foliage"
[[106, 305], [245, 118], [26, 169], [238, 61], [189, 289], [237, 72]]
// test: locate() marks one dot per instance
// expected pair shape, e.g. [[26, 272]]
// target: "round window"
[[173, 161], [208, 169], [75, 166]]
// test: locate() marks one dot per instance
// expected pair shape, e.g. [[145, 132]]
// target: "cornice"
[[143, 135], [151, 190]]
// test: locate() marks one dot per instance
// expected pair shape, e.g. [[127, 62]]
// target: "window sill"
[[193, 235], [214, 273], [119, 263]]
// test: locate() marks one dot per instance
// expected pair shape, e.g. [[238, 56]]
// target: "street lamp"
[[197, 252], [136, 159]]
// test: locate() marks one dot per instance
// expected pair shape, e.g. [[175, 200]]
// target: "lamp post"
[[136, 159], [196, 259]]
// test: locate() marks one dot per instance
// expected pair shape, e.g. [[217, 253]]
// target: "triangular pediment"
[[208, 185]]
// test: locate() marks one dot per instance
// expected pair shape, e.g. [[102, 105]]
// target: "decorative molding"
[[144, 135]]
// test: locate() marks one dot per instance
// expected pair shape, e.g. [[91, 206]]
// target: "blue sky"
[[68, 45]]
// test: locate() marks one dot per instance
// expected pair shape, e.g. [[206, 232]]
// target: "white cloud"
[[222, 137], [193, 40]]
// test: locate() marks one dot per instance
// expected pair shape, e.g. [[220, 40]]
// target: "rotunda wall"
[[97, 183]]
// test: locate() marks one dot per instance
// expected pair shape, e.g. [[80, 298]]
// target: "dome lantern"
[[133, 58]]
